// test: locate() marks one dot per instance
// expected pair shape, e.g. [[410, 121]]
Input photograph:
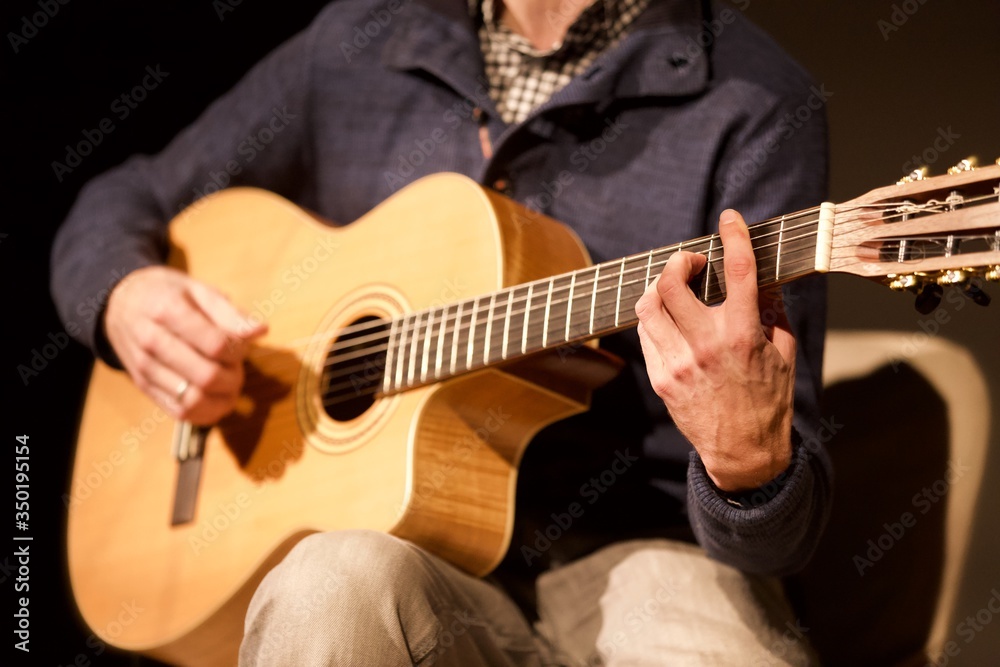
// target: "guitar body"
[[436, 465]]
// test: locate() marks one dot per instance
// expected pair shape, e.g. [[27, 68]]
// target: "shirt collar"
[[437, 36], [601, 22]]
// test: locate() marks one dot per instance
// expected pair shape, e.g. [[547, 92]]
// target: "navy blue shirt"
[[687, 116]]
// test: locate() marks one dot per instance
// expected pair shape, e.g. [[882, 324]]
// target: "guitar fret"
[[569, 304], [390, 358], [498, 328], [472, 334], [524, 325], [401, 364], [545, 317], [593, 297], [489, 328], [506, 324], [455, 337], [438, 358], [708, 268], [605, 312], [415, 342], [777, 259], [631, 290], [618, 297], [799, 254], [425, 357], [649, 267]]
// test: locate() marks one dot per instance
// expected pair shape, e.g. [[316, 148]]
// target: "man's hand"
[[181, 341], [726, 378]]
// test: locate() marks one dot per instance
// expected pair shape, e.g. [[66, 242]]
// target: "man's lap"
[[360, 597]]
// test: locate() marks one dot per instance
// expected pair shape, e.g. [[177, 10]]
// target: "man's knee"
[[346, 567], [341, 591]]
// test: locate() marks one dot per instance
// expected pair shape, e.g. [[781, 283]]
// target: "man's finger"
[[739, 266], [186, 362], [186, 320], [224, 314], [680, 302], [658, 328]]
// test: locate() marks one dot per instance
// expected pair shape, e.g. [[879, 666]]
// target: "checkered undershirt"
[[522, 77]]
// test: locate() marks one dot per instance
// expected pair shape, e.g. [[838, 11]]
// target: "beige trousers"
[[364, 598]]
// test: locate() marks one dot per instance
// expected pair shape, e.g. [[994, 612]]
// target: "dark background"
[[891, 97]]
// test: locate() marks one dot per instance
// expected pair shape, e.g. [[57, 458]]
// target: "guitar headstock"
[[922, 234]]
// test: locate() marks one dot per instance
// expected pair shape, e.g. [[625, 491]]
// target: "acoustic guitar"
[[400, 398]]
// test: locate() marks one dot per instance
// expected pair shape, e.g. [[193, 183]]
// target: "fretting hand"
[[726, 378]]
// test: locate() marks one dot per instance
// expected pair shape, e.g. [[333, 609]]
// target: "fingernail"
[[728, 216]]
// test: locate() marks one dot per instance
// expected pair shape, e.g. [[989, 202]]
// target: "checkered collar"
[[522, 77], [600, 23]]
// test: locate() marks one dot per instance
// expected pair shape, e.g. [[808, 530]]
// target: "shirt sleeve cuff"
[[750, 498], [709, 494]]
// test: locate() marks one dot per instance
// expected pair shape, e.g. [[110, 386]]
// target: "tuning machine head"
[[928, 298], [969, 281], [915, 175], [929, 287], [953, 277], [968, 164], [906, 281], [926, 288], [977, 294]]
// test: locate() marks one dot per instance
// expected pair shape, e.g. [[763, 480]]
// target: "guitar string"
[[354, 342], [406, 356], [348, 389], [448, 319], [408, 328], [332, 390], [455, 327], [379, 325], [844, 227], [459, 327], [454, 337], [937, 206], [456, 330], [717, 257], [333, 393], [482, 339]]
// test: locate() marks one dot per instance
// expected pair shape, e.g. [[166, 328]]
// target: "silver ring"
[[181, 390]]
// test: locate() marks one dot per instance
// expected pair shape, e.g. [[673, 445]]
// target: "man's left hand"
[[726, 377]]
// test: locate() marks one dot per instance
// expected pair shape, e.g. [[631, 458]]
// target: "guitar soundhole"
[[354, 369]]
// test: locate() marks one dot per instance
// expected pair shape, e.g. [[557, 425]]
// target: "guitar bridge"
[[188, 447]]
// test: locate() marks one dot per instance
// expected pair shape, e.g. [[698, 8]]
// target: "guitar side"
[[436, 465]]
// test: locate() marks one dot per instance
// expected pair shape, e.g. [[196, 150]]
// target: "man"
[[639, 124]]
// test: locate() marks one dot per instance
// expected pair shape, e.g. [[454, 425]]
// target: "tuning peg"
[[928, 298], [993, 274], [968, 164], [903, 282], [976, 294], [953, 277], [915, 175]]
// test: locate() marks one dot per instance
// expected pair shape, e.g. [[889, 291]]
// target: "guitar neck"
[[438, 343]]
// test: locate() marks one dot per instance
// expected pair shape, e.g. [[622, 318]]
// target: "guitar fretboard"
[[437, 343]]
